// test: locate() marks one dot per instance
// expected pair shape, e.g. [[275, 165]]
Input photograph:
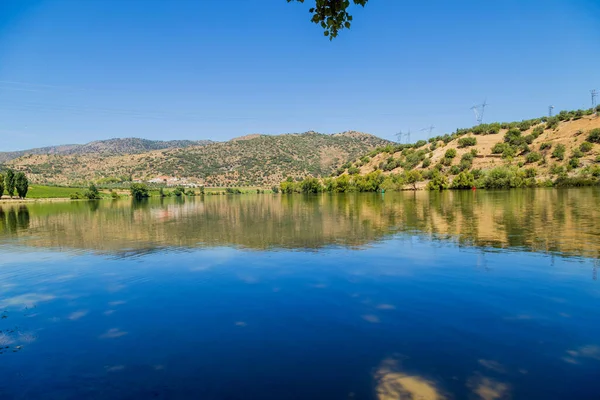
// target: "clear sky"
[[73, 71]]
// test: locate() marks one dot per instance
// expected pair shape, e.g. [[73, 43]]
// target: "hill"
[[260, 160], [548, 151], [105, 147]]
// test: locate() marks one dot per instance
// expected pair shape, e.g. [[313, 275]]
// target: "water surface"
[[478, 295]]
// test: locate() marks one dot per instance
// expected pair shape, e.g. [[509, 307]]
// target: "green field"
[[51, 192]]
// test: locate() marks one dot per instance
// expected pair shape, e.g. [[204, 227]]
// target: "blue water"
[[334, 323]]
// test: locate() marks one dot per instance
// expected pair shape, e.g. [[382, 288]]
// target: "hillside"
[[537, 152], [106, 147], [251, 160]]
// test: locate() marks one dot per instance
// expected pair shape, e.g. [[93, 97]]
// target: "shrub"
[[537, 131], [523, 126], [454, 170], [446, 161], [594, 136], [552, 123], [533, 157], [139, 191], [502, 177], [437, 182], [467, 157], [557, 169], [310, 185], [577, 153], [530, 173], [509, 151], [464, 180], [499, 148], [545, 145], [413, 177], [465, 165], [559, 152], [574, 162], [353, 171], [426, 163], [585, 147], [275, 189], [597, 159], [467, 142], [76, 196], [92, 192], [450, 153]]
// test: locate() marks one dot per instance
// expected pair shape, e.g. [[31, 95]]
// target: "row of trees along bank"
[[11, 182]]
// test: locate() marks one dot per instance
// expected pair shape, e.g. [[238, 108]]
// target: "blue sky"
[[73, 71]]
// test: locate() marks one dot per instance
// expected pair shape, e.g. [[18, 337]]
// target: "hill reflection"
[[561, 221]]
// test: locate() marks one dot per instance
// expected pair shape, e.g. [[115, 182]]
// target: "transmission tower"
[[408, 137], [399, 136], [594, 93], [429, 129], [550, 110], [479, 110]]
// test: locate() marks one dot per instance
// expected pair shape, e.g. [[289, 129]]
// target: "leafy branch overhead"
[[332, 15]]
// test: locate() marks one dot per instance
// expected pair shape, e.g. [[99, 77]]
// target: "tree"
[[139, 191], [21, 183], [92, 193], [1, 185], [413, 177], [9, 182], [332, 15], [310, 185]]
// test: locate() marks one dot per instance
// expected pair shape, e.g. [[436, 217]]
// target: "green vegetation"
[[1, 185], [332, 15], [559, 152], [586, 147], [9, 182], [533, 157], [139, 191], [594, 136], [464, 180], [21, 184], [450, 153], [467, 141], [545, 146]]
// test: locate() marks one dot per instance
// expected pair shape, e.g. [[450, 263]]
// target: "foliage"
[[275, 189], [426, 163], [114, 195], [91, 193], [228, 190], [139, 191], [353, 171], [594, 136], [467, 141], [179, 191], [503, 178], [545, 145], [530, 173], [9, 182], [1, 185], [438, 181], [332, 15], [455, 169], [464, 180], [412, 177], [21, 184], [288, 186], [310, 185], [450, 153], [585, 147], [559, 152], [533, 157]]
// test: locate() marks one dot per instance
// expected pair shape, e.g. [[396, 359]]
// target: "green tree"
[[275, 189], [464, 180], [1, 185], [139, 191], [412, 177], [92, 192], [438, 181], [9, 182], [594, 136], [450, 153], [559, 152], [310, 185], [21, 184], [332, 15]]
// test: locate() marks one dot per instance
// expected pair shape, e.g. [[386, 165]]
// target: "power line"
[[550, 111], [594, 93]]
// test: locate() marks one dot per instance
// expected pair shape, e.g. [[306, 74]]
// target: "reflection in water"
[[395, 385], [558, 221]]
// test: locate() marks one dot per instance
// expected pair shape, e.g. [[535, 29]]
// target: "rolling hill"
[[253, 160], [105, 147]]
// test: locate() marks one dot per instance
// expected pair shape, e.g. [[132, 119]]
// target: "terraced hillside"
[[564, 149], [261, 160]]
